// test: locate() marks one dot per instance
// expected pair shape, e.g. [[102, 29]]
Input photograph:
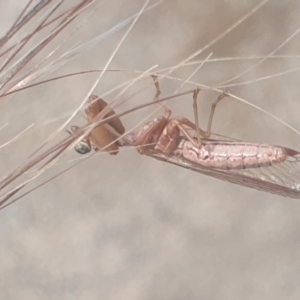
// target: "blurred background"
[[131, 227]]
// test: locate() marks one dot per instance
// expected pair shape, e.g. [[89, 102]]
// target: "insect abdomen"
[[231, 155]]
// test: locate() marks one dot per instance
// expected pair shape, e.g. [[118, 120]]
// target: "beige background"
[[130, 227]]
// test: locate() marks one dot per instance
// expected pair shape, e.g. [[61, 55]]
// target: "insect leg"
[[196, 117], [205, 134], [167, 112]]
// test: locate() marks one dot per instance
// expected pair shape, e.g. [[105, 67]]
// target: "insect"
[[264, 167]]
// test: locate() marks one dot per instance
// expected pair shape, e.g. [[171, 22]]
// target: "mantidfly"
[[264, 167]]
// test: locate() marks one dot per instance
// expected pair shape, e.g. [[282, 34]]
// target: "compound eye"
[[82, 148]]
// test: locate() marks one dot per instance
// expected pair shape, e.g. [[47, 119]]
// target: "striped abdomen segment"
[[231, 155]]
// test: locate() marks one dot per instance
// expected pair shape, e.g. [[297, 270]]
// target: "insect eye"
[[83, 148]]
